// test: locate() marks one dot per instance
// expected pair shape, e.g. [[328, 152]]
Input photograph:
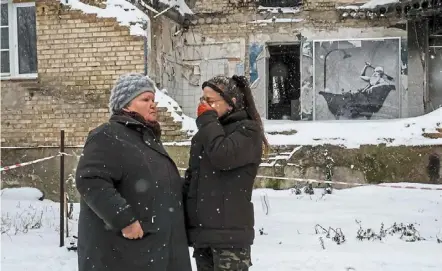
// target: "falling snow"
[[288, 240]]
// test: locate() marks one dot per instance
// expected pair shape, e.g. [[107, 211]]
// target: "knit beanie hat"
[[127, 88]]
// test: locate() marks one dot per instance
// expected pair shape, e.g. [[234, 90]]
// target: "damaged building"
[[308, 60]]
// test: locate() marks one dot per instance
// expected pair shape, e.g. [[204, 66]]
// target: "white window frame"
[[13, 42]]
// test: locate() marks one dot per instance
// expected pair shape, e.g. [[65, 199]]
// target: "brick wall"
[[79, 58]]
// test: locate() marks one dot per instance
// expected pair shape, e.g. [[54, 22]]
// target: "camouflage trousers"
[[217, 259]]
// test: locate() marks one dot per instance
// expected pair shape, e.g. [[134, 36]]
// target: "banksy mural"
[[356, 79]]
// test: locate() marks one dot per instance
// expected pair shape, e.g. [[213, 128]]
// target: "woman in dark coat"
[[224, 159], [131, 211]]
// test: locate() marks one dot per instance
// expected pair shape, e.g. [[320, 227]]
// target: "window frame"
[[13, 42]]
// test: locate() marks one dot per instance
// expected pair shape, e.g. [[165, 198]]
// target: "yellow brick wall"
[[83, 53], [79, 58]]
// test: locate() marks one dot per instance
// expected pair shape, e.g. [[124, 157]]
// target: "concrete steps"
[[277, 160], [170, 129]]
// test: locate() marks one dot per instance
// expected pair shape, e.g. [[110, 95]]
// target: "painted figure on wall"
[[378, 78], [254, 50], [346, 94], [365, 101]]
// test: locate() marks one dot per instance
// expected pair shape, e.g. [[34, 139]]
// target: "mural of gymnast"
[[364, 102]]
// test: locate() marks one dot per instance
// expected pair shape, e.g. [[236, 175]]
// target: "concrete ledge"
[[368, 164]]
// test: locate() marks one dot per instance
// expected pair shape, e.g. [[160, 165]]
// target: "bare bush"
[[338, 235], [407, 232], [24, 220]]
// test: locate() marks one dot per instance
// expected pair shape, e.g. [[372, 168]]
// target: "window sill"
[[19, 77]]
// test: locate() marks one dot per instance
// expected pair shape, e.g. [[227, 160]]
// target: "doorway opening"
[[284, 85], [435, 63]]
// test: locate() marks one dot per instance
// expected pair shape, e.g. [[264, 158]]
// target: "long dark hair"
[[238, 87]]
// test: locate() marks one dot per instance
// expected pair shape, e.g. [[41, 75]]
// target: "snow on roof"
[[183, 8], [353, 7], [354, 133], [374, 3], [285, 10], [369, 5], [124, 12]]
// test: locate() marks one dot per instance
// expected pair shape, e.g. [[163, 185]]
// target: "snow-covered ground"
[[346, 133], [288, 241], [353, 133]]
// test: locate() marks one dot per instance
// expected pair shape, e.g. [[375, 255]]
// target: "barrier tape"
[[343, 183], [32, 162], [258, 176]]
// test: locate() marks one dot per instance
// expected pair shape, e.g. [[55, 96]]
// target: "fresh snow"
[[25, 193], [354, 133], [369, 5], [124, 12], [183, 8], [375, 3], [288, 241], [348, 7], [285, 10]]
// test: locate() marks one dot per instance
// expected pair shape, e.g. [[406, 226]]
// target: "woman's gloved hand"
[[203, 107]]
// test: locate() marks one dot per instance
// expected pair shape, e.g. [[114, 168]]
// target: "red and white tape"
[[31, 162], [343, 183], [258, 176]]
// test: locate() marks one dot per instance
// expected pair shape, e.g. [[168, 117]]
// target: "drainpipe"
[[145, 55]]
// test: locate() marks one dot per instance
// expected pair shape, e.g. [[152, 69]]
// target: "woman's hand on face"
[[203, 107]]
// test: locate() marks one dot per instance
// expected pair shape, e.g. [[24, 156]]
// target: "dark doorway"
[[435, 63], [284, 86]]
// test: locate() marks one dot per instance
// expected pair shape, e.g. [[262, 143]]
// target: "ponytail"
[[250, 107]]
